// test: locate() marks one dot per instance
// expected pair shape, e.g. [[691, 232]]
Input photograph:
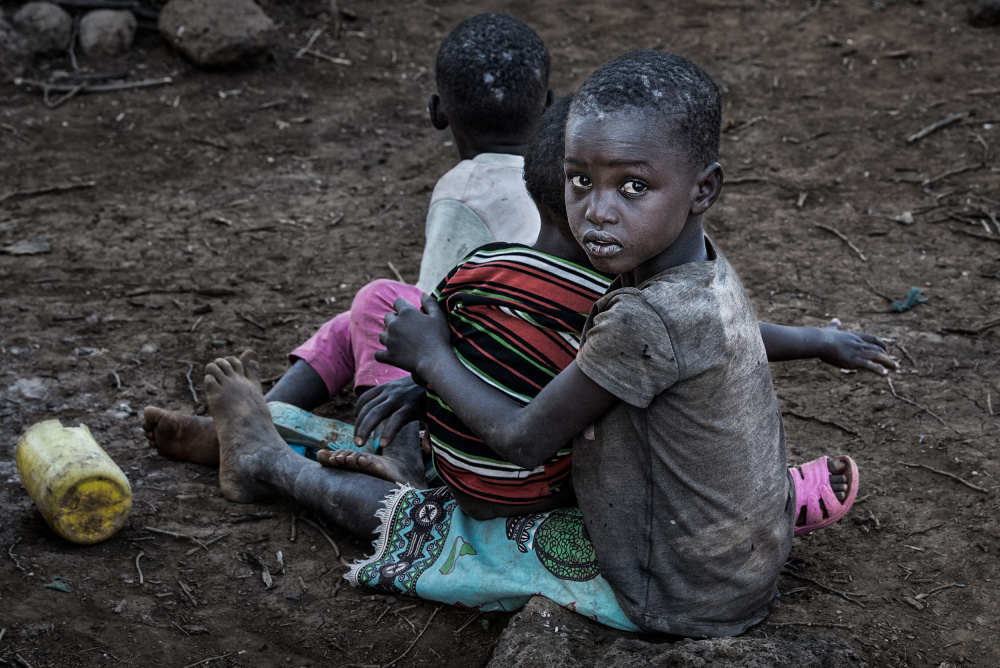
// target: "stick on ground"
[[843, 238], [803, 416], [419, 636], [846, 595], [914, 403], [308, 521], [18, 194], [934, 127], [948, 475], [95, 88]]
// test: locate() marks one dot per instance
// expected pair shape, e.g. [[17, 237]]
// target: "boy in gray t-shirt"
[[679, 463]]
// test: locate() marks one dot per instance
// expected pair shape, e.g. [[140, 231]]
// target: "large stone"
[[46, 26], [217, 33], [107, 32], [545, 635], [14, 51], [984, 13]]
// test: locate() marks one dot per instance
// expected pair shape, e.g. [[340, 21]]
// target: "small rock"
[[107, 32], [47, 26], [984, 13], [14, 52], [222, 33]]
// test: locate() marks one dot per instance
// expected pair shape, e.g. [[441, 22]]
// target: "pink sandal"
[[814, 494]]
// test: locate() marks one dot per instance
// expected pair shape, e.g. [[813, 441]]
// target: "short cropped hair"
[[672, 85], [493, 76], [544, 176]]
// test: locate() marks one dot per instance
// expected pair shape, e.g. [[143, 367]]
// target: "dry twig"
[[392, 268], [174, 534], [976, 235], [948, 475], [839, 426], [17, 194], [189, 595], [918, 531], [846, 595], [204, 545], [878, 292], [211, 658], [95, 88], [308, 521], [194, 393], [951, 172], [989, 324], [252, 321], [469, 621], [836, 626], [914, 403], [907, 353], [934, 127], [843, 238], [10, 552], [419, 636], [137, 558]]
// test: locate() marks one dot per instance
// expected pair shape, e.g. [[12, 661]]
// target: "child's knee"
[[379, 296]]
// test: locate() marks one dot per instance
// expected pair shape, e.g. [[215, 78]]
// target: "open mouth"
[[600, 244]]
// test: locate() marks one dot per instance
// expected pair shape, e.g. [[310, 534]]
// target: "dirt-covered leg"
[[255, 463], [401, 461]]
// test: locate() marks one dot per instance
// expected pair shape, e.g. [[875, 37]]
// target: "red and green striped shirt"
[[516, 317]]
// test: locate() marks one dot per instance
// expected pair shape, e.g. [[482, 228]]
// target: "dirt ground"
[[242, 209]]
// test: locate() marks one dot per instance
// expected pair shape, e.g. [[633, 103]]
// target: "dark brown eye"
[[634, 187]]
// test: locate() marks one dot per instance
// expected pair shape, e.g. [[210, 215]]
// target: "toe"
[[836, 465], [250, 365]]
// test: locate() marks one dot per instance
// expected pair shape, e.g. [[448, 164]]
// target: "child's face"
[[629, 189]]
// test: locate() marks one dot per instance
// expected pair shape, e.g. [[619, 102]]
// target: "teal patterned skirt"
[[427, 547]]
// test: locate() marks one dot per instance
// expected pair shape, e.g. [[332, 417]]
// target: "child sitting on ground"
[[428, 546], [516, 315], [679, 453], [492, 78]]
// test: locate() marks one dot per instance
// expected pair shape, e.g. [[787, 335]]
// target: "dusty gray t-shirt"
[[684, 489]]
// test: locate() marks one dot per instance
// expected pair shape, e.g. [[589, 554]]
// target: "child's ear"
[[709, 185], [436, 111]]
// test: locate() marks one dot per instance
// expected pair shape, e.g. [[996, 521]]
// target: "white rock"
[[47, 27], [107, 32], [217, 33]]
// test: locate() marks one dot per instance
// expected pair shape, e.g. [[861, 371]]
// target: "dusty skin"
[[145, 285]]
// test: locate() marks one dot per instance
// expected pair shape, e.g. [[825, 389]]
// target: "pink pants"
[[344, 348]]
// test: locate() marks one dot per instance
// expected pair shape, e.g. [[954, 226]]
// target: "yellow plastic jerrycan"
[[80, 491]]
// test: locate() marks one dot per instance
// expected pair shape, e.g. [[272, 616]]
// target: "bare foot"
[[248, 441], [190, 438], [379, 466]]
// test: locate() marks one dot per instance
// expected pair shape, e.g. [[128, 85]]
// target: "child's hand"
[[851, 350], [393, 404], [413, 338]]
